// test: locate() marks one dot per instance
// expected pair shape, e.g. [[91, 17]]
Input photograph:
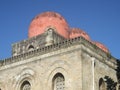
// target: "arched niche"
[[102, 84]]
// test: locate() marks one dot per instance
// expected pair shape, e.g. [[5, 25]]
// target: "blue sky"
[[99, 18]]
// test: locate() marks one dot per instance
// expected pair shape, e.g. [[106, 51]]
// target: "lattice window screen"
[[59, 82], [26, 86]]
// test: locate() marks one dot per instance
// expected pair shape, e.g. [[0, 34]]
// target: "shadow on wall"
[[118, 73], [111, 85]]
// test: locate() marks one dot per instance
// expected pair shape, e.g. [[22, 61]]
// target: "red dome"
[[101, 46], [76, 32], [48, 19]]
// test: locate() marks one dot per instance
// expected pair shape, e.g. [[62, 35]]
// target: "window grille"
[[58, 82], [26, 86]]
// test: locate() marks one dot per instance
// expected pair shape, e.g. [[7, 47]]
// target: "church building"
[[56, 56]]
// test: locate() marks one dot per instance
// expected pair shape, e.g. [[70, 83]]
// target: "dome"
[[76, 32], [101, 46], [48, 19]]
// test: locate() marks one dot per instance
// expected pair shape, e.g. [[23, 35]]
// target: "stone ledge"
[[57, 46]]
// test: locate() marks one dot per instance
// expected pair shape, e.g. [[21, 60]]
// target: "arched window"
[[102, 85], [30, 48], [25, 86], [58, 82]]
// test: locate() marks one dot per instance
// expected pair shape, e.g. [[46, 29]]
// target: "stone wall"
[[45, 39], [80, 62]]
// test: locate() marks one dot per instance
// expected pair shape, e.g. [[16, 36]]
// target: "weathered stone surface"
[[49, 61], [74, 62]]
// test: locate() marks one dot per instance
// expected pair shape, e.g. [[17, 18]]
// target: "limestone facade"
[[51, 62]]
